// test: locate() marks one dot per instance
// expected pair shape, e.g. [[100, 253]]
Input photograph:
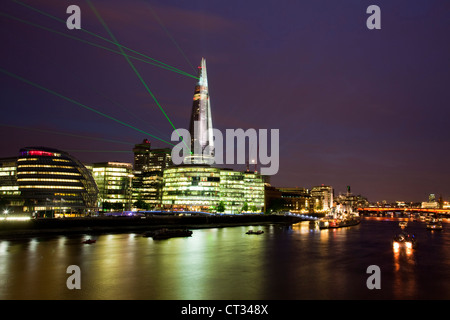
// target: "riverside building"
[[113, 180], [52, 183], [147, 181]]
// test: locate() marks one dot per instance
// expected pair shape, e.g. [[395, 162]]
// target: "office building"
[[204, 188], [322, 198], [10, 199], [142, 155], [114, 182], [52, 183]]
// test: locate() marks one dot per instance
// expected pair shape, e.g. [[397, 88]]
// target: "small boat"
[[404, 240], [434, 224], [170, 233], [254, 232], [89, 241]]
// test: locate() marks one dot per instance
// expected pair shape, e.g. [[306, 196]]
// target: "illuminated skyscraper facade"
[[201, 130], [147, 181], [142, 155], [197, 185]]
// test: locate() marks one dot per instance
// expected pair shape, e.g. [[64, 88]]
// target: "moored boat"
[[403, 224], [254, 232], [89, 241], [330, 223], [434, 224], [170, 233]]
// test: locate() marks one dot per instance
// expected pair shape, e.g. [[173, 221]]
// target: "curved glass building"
[[53, 183]]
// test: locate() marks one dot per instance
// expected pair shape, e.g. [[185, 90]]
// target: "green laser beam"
[[65, 134], [122, 107], [91, 43], [169, 34], [134, 68], [79, 104], [105, 39]]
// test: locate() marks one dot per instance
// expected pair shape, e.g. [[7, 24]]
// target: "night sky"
[[359, 107]]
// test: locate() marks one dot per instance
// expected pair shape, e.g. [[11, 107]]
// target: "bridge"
[[404, 210]]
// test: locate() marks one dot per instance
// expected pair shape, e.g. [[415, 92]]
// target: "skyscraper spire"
[[201, 130]]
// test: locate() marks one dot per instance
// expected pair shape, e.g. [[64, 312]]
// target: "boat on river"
[[89, 241], [403, 224], [434, 224], [169, 233], [254, 232], [404, 240], [339, 222]]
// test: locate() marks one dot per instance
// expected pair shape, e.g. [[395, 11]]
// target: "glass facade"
[[322, 197], [204, 188], [53, 183], [142, 155], [10, 199], [147, 179], [147, 187], [114, 184], [200, 128]]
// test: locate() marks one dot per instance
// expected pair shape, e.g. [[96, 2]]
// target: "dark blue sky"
[[359, 107]]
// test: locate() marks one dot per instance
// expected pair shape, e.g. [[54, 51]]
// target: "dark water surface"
[[286, 262]]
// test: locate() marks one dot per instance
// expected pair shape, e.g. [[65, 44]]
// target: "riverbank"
[[98, 225]]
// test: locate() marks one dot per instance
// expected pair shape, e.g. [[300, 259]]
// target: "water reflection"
[[404, 283], [286, 262]]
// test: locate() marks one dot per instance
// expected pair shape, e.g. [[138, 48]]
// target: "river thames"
[[285, 262]]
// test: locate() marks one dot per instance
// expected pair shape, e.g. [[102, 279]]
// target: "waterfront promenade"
[[49, 226]]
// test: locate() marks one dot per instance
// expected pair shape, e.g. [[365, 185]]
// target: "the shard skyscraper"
[[201, 129]]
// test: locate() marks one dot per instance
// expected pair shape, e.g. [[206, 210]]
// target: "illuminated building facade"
[[114, 185], [10, 199], [322, 198], [142, 155], [53, 183], [147, 178], [296, 199], [203, 188], [201, 129]]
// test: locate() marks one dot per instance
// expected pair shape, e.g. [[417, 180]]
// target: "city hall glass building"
[[53, 183]]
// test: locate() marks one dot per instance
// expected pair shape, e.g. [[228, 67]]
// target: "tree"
[[141, 204], [245, 207], [254, 208], [276, 204], [106, 206], [221, 207]]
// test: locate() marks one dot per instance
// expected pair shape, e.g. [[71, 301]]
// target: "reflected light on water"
[[405, 281], [285, 262]]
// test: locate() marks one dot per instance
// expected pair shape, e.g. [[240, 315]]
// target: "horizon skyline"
[[358, 107], [242, 169]]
